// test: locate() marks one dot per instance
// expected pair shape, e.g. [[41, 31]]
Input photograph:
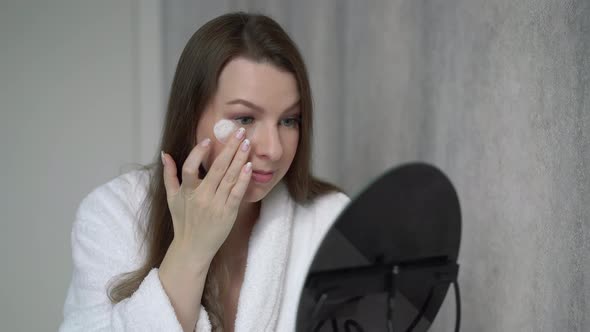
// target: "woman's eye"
[[290, 122], [245, 120]]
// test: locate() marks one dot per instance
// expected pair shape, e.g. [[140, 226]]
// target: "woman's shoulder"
[[106, 234], [313, 221], [322, 211], [329, 202], [115, 201], [126, 189]]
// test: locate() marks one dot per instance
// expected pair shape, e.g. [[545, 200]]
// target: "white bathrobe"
[[105, 244]]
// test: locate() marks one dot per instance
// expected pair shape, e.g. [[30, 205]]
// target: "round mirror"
[[387, 262]]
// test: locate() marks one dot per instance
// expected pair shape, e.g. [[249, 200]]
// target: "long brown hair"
[[258, 38]]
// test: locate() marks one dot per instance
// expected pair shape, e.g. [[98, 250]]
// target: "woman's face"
[[265, 101]]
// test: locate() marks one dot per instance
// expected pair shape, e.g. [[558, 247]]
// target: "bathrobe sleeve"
[[104, 245]]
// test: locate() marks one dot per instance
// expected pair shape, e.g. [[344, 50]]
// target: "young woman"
[[219, 234]]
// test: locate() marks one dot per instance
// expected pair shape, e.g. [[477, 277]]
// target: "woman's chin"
[[255, 193]]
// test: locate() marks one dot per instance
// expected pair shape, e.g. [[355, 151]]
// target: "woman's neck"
[[236, 245], [247, 216]]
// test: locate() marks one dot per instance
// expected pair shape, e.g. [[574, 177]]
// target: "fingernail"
[[248, 167], [205, 142], [240, 133], [163, 159], [245, 145]]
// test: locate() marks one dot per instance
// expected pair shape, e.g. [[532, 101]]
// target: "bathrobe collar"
[[266, 263]]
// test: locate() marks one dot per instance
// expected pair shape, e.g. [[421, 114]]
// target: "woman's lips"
[[262, 177]]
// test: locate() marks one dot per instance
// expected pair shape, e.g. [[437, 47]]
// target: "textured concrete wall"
[[507, 102], [496, 93]]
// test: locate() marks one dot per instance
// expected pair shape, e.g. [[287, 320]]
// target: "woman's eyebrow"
[[256, 107], [245, 103]]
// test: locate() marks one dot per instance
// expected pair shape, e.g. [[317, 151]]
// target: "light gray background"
[[496, 93], [77, 105]]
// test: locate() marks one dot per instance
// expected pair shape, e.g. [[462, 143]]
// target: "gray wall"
[[495, 93], [507, 115], [73, 114]]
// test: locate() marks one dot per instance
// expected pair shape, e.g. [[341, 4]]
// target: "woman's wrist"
[[180, 258]]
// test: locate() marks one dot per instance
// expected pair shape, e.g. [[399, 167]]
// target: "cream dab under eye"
[[223, 128]]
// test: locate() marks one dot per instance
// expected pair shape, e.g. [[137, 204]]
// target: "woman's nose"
[[267, 142]]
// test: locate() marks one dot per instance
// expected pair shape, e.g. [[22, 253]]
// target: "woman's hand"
[[204, 211]]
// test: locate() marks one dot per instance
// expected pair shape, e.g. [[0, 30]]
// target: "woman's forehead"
[[259, 83]]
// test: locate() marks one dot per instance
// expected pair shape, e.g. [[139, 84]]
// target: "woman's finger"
[[233, 172], [170, 178], [237, 193], [222, 162], [190, 168]]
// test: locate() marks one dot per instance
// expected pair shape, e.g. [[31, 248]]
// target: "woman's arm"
[[104, 245], [183, 281]]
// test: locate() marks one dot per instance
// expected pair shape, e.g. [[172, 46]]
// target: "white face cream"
[[222, 129]]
